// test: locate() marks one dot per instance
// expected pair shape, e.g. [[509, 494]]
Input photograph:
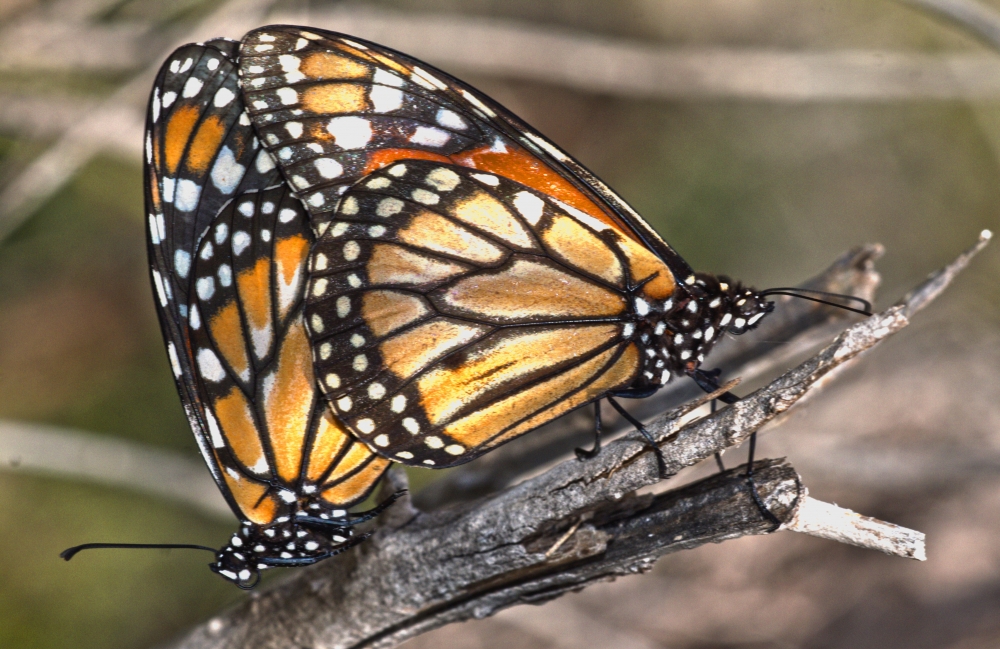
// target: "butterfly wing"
[[333, 108], [200, 152], [191, 131], [452, 310], [270, 428]]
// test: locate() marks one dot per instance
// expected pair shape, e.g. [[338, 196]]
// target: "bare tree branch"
[[577, 523]]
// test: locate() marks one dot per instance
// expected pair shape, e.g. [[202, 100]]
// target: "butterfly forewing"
[[334, 108], [451, 310]]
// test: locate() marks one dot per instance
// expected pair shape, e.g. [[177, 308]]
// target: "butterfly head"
[[239, 561], [743, 308]]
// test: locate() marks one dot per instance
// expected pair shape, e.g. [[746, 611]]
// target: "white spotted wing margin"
[[450, 311], [199, 151]]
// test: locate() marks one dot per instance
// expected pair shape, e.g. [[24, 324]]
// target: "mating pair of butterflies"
[[358, 259]]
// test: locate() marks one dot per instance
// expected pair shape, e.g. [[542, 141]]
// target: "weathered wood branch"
[[575, 524]]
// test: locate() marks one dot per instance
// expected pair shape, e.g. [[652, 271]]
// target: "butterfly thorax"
[[676, 335]]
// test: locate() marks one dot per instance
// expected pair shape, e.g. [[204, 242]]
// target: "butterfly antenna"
[[802, 293], [69, 553]]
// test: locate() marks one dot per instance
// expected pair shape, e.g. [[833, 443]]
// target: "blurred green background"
[[765, 188]]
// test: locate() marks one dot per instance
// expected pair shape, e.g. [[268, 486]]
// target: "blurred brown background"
[[762, 138]]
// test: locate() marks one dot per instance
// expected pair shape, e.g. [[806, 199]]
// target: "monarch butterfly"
[[348, 244], [228, 242]]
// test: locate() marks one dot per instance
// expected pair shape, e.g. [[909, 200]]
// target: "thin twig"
[[78, 455], [827, 521]]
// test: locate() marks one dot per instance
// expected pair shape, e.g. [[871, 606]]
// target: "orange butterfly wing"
[[230, 302]]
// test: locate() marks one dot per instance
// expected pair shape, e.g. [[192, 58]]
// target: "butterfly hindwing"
[[451, 310], [230, 301], [270, 428]]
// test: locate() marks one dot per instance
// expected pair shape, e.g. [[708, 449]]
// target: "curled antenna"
[[69, 553], [799, 292]]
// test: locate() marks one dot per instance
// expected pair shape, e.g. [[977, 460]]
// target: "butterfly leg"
[[709, 382], [352, 519], [718, 454], [584, 454], [660, 462]]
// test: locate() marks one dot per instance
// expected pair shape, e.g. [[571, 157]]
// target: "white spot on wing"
[[175, 363], [427, 80], [226, 172], [288, 292], [261, 340], [328, 167], [530, 206], [487, 179], [387, 78], [182, 262], [547, 146], [158, 281], [583, 217], [223, 97], [430, 136], [187, 195], [264, 162], [388, 206], [425, 197], [450, 119], [288, 96], [290, 66], [205, 287], [168, 190], [472, 99], [385, 99], [216, 434], [443, 179], [192, 87], [209, 365], [156, 103], [154, 234], [350, 131]]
